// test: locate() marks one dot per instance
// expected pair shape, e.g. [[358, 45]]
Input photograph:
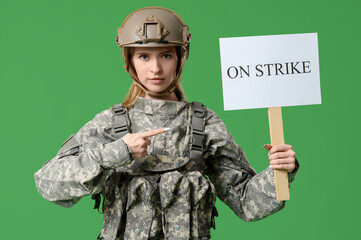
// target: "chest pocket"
[[160, 163]]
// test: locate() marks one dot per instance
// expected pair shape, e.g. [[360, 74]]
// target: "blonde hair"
[[135, 90]]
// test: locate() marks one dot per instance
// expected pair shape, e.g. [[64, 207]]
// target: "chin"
[[156, 90]]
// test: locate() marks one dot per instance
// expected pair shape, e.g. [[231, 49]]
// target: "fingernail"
[[264, 145], [166, 129]]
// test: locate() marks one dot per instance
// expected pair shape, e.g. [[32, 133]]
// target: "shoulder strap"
[[120, 126], [198, 119]]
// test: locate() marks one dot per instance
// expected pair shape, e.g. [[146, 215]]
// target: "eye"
[[167, 56], [143, 57]]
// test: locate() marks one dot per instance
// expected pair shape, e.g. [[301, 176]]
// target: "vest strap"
[[197, 138], [120, 126]]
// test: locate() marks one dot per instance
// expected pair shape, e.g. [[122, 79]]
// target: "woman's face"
[[155, 66]]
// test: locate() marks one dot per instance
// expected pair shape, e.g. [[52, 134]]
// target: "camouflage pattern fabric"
[[165, 195]]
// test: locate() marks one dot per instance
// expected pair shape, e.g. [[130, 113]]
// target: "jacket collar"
[[163, 107]]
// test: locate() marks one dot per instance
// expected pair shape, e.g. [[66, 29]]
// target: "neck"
[[170, 97]]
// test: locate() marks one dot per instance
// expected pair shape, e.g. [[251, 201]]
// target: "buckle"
[[197, 140], [119, 129], [199, 113], [198, 109], [119, 110]]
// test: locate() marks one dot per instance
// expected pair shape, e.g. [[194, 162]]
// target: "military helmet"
[[154, 27]]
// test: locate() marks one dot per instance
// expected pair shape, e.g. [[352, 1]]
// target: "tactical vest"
[[150, 167]]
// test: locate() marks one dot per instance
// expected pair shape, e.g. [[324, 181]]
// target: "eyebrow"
[[169, 51]]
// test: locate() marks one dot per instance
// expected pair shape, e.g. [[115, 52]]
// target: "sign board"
[[270, 71]]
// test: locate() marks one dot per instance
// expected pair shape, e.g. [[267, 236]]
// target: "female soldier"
[[159, 161]]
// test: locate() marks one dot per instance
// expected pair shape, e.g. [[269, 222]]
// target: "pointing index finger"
[[154, 132]]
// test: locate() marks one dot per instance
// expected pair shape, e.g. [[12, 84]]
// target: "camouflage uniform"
[[166, 195]]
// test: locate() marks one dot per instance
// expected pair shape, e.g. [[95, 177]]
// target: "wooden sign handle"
[[277, 138]]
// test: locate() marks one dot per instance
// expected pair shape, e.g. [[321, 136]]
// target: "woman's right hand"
[[139, 142]]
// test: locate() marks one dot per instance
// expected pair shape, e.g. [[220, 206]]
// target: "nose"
[[156, 66]]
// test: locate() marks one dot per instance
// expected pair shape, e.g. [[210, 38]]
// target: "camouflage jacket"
[[166, 195]]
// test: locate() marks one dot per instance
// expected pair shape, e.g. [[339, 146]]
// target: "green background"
[[59, 66]]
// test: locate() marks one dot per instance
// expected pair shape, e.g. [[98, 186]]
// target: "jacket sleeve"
[[82, 164], [250, 195]]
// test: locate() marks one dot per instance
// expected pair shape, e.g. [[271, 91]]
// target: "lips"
[[156, 80]]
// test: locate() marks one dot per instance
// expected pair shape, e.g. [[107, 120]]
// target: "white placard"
[[270, 71]]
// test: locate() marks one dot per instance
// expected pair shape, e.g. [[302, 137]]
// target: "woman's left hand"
[[281, 157]]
